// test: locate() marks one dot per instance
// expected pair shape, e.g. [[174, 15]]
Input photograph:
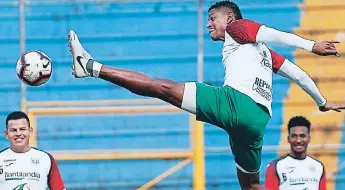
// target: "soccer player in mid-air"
[[242, 107], [296, 170]]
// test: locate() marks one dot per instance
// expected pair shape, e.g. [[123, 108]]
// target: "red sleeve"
[[322, 185], [272, 180], [54, 178], [277, 61], [243, 31]]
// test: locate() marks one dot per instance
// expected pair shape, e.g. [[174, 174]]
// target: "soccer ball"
[[34, 68]]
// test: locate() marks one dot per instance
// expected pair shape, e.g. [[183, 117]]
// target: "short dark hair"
[[299, 121], [230, 5], [17, 115]]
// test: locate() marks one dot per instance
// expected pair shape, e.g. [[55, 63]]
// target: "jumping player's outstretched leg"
[[138, 83], [221, 106], [144, 85]]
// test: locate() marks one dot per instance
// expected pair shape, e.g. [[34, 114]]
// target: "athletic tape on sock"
[[93, 67]]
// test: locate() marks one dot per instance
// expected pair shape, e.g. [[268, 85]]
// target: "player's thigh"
[[247, 138], [247, 153], [215, 106]]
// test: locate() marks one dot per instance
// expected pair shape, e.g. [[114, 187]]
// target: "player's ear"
[[231, 17], [31, 130], [6, 134]]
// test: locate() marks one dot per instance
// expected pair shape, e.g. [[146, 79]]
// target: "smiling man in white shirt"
[[296, 170], [23, 167]]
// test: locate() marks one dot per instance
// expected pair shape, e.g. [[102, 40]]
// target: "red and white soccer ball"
[[34, 68]]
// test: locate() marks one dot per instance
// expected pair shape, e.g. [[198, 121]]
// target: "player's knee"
[[163, 87], [167, 90], [248, 181]]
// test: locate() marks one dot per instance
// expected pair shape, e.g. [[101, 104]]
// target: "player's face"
[[299, 139], [218, 19], [18, 133]]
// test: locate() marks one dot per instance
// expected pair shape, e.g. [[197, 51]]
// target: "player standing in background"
[[296, 170], [248, 64], [23, 167]]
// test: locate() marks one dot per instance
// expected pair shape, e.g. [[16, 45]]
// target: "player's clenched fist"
[[325, 48]]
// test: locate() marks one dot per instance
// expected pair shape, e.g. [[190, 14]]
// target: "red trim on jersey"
[[54, 178], [243, 31], [272, 180], [277, 61], [322, 185]]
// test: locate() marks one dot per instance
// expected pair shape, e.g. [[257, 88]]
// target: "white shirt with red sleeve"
[[35, 170], [288, 173], [249, 64]]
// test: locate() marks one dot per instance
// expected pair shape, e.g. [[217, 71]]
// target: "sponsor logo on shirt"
[[302, 180], [35, 161], [9, 160], [23, 186], [312, 168], [263, 88], [265, 62], [290, 169], [22, 175]]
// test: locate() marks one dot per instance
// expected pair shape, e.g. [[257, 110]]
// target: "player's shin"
[[136, 82], [139, 83]]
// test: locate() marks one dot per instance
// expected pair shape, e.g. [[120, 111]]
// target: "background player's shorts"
[[243, 119]]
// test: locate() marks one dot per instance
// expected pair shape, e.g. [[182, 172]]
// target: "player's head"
[[299, 134], [220, 15], [18, 130]]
